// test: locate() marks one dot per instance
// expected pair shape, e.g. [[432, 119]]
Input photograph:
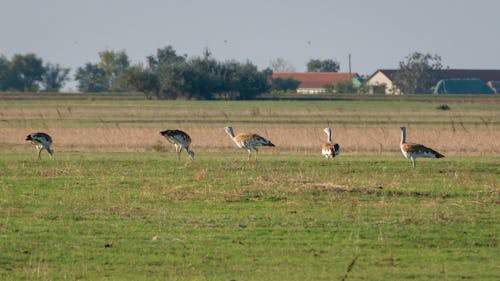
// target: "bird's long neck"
[[329, 135], [403, 135], [230, 132]]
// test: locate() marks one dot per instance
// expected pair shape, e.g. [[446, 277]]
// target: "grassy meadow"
[[115, 204]]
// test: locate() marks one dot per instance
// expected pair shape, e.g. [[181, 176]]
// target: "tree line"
[[28, 73], [166, 75], [169, 75]]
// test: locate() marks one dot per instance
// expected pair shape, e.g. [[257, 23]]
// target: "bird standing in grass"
[[414, 150], [41, 141], [330, 149], [181, 140], [248, 141]]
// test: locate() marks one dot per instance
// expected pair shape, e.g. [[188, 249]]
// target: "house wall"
[[378, 79], [315, 82], [356, 81], [311, 91]]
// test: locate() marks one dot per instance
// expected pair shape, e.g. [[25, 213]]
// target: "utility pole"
[[349, 63]]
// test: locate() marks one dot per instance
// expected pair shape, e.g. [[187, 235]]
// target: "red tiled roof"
[[315, 79]]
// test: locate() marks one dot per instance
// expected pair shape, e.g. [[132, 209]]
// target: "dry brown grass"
[[287, 140], [134, 127]]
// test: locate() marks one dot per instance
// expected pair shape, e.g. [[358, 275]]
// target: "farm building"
[[462, 86], [382, 77], [315, 82], [386, 77], [484, 75]]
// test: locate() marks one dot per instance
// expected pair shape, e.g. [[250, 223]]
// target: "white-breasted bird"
[[415, 150], [181, 140], [41, 141], [330, 149], [248, 141]]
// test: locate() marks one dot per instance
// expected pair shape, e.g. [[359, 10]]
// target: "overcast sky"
[[378, 34]]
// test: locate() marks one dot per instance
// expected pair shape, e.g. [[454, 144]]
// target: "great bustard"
[[414, 150], [248, 141], [180, 139], [330, 149], [41, 141]]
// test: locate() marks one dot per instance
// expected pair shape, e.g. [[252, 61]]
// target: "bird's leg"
[[413, 162], [178, 149], [256, 152], [39, 153], [249, 153]]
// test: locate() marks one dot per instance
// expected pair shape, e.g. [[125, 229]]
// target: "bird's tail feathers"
[[437, 154]]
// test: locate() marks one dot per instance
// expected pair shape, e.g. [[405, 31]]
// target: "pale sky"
[[378, 34]]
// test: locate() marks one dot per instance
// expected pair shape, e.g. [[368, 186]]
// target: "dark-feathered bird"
[[414, 150], [181, 140], [41, 141]]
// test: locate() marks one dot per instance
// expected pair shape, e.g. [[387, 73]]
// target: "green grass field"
[[291, 215]]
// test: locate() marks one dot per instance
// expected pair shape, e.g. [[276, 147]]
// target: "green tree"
[[282, 84], [136, 78], [317, 65], [170, 76], [54, 77], [165, 56], [168, 68], [5, 73], [27, 71], [345, 87], [92, 78], [251, 81], [171, 80], [230, 77], [204, 78], [418, 73], [114, 64]]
